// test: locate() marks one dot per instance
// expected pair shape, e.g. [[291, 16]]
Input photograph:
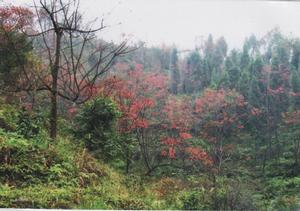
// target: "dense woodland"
[[86, 123]]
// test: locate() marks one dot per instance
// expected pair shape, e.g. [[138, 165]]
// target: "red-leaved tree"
[[139, 96], [220, 113]]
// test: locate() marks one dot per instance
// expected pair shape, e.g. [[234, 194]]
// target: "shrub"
[[225, 195], [95, 125], [195, 200], [24, 162], [29, 124], [39, 196], [8, 116]]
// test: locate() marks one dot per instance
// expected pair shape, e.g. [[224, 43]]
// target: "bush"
[[225, 195], [24, 162], [8, 116], [29, 124], [39, 196], [195, 200], [282, 193], [95, 125]]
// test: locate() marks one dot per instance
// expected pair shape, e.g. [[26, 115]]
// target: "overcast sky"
[[184, 22]]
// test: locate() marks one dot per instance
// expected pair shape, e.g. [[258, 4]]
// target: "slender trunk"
[[53, 118], [264, 161], [143, 149], [277, 146], [54, 73], [296, 152], [256, 147], [269, 137], [128, 161], [214, 195]]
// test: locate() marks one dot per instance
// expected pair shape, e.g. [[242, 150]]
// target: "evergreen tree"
[[232, 70], [192, 79], [295, 86], [175, 74], [295, 54]]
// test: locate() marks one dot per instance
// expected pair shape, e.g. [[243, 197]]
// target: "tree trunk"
[[296, 151], [53, 118], [128, 160], [143, 149], [54, 73]]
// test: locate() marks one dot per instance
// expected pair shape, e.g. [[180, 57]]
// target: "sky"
[[187, 23]]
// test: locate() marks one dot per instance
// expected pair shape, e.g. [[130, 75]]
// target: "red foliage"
[[292, 118], [197, 154], [220, 113], [142, 99], [279, 90], [178, 112], [15, 18], [137, 94], [255, 111], [294, 94], [164, 153], [185, 136], [169, 141], [213, 100], [171, 152], [178, 120], [72, 110]]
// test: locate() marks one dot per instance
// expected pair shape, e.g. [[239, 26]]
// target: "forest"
[[91, 124]]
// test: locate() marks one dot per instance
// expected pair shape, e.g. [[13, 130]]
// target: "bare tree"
[[75, 60]]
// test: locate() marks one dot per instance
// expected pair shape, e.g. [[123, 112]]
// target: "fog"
[[187, 22]]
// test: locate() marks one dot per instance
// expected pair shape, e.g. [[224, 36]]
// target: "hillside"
[[91, 123]]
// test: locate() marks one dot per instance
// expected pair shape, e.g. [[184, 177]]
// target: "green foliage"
[[195, 200], [14, 51], [174, 70], [283, 186], [223, 194], [29, 124], [260, 170], [295, 84], [17, 166], [95, 125], [8, 116], [38, 196], [41, 174], [282, 193]]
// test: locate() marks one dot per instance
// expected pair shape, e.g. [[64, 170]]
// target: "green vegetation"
[[212, 130], [39, 173]]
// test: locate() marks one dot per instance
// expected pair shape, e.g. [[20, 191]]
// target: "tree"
[[95, 124], [74, 59], [296, 54], [192, 74], [295, 89], [14, 47], [232, 70], [219, 115], [291, 124], [219, 54], [139, 96], [178, 121], [175, 74]]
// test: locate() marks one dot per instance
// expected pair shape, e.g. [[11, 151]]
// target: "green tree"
[[296, 54], [14, 51], [192, 79], [295, 86], [175, 74], [232, 70], [95, 125]]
